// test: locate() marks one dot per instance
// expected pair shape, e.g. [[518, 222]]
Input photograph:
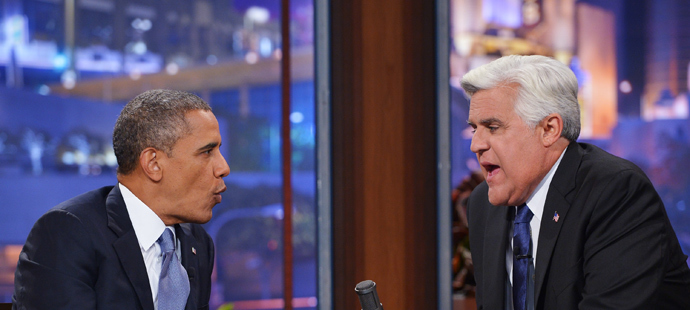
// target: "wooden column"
[[384, 151]]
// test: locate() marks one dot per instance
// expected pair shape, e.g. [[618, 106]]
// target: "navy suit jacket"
[[84, 254], [612, 246]]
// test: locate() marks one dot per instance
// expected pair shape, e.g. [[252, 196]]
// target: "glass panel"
[[630, 58], [63, 92]]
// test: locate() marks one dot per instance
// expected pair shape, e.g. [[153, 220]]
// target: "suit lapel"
[[190, 261], [558, 201], [127, 247], [495, 244]]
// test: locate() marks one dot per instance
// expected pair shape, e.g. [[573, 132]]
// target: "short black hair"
[[155, 118]]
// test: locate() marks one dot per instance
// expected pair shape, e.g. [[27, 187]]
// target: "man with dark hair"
[[137, 245], [560, 224]]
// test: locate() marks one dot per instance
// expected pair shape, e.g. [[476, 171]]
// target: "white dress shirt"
[[536, 204], [148, 227]]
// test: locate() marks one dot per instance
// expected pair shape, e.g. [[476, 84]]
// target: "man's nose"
[[222, 169], [479, 143]]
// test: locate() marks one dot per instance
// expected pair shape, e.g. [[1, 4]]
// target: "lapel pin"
[[556, 217], [193, 251]]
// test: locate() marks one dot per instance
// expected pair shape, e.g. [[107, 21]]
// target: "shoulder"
[[85, 202], [610, 188], [600, 167], [84, 207], [73, 219], [69, 229], [605, 162]]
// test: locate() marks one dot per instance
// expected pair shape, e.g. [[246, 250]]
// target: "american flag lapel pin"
[[556, 217], [193, 251]]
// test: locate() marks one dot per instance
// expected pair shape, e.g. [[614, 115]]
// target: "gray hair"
[[155, 118], [545, 86]]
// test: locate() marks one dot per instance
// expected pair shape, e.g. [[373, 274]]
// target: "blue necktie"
[[522, 255], [173, 286]]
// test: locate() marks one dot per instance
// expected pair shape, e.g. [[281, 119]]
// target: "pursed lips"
[[217, 193], [221, 190]]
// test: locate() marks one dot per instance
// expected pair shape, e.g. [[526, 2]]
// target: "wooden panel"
[[384, 151], [347, 135]]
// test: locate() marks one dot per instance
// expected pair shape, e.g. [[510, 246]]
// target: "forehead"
[[494, 102], [199, 120], [202, 128]]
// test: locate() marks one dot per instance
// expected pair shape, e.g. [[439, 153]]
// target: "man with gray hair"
[[559, 224], [136, 245]]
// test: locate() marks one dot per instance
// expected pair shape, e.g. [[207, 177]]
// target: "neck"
[[556, 150], [147, 191]]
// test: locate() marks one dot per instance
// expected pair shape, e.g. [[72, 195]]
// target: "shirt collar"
[[537, 201], [148, 227]]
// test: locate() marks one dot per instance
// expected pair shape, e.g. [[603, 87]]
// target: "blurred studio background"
[[67, 67], [631, 59]]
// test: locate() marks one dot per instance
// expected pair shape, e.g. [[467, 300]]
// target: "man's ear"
[[148, 159], [552, 127]]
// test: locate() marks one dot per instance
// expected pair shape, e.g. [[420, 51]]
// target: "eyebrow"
[[209, 146], [487, 121]]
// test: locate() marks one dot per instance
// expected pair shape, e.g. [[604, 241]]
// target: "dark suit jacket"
[[612, 247], [84, 254]]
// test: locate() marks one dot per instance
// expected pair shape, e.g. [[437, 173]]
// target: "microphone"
[[367, 295]]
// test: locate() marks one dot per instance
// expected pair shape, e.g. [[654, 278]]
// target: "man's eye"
[[493, 129]]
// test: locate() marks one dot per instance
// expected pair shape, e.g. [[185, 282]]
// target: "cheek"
[[527, 164], [196, 174], [514, 159]]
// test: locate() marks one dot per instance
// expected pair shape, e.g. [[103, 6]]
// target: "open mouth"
[[491, 170]]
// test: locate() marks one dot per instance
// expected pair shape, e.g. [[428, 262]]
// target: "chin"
[[205, 219], [200, 218], [498, 203], [497, 200]]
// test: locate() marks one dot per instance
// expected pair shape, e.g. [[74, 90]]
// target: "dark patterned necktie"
[[522, 255], [173, 286]]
